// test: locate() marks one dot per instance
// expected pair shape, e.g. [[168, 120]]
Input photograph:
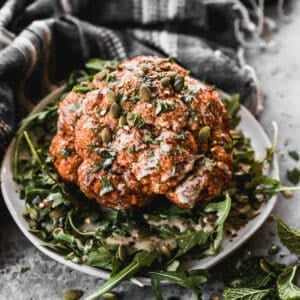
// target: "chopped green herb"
[[97, 64], [286, 289], [108, 159], [245, 294], [289, 237], [293, 175], [294, 155], [134, 120], [163, 106], [24, 269], [80, 88], [107, 186], [65, 152]]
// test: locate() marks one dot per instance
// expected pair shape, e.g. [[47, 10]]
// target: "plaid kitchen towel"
[[42, 41]]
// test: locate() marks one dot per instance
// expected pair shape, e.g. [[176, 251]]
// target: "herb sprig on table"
[[256, 277], [77, 228]]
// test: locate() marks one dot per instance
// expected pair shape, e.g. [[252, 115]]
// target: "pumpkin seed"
[[33, 214], [173, 266], [111, 96], [165, 81], [273, 250], [106, 135], [144, 67], [139, 73], [73, 294], [115, 110], [264, 265], [101, 75], [204, 134], [165, 250], [145, 92], [122, 121], [122, 252], [56, 213], [109, 296], [178, 83], [171, 74]]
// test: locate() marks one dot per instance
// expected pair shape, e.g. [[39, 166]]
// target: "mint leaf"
[[245, 294], [286, 289], [289, 237], [249, 273]]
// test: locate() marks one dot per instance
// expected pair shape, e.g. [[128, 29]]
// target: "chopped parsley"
[[135, 120], [65, 152], [107, 186], [294, 155], [163, 106], [108, 158], [148, 139], [180, 136], [81, 88], [293, 175]]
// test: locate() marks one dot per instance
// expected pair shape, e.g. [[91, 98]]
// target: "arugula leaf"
[[100, 258], [222, 209], [233, 106], [245, 294], [294, 155], [293, 175], [81, 88], [190, 280], [98, 64], [286, 289], [271, 150], [141, 260], [289, 237], [190, 239]]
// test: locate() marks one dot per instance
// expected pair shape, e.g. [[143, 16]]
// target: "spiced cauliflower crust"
[[145, 128]]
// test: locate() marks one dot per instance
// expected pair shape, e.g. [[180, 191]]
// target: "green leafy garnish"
[[222, 210], [135, 120], [286, 289], [97, 64], [233, 106], [141, 260], [190, 280], [163, 106], [289, 237], [293, 175], [107, 186], [65, 152], [101, 258], [294, 155], [245, 294], [81, 88]]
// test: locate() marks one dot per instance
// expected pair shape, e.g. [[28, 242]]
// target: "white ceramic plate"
[[250, 127]]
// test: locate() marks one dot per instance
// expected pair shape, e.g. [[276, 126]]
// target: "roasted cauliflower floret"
[[146, 128]]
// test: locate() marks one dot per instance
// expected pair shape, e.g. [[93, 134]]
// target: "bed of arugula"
[[56, 212]]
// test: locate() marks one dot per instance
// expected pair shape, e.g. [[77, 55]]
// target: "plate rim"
[[207, 262]]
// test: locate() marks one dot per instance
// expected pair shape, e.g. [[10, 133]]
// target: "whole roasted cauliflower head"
[[146, 128]]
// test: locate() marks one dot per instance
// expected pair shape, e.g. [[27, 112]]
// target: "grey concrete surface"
[[279, 73]]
